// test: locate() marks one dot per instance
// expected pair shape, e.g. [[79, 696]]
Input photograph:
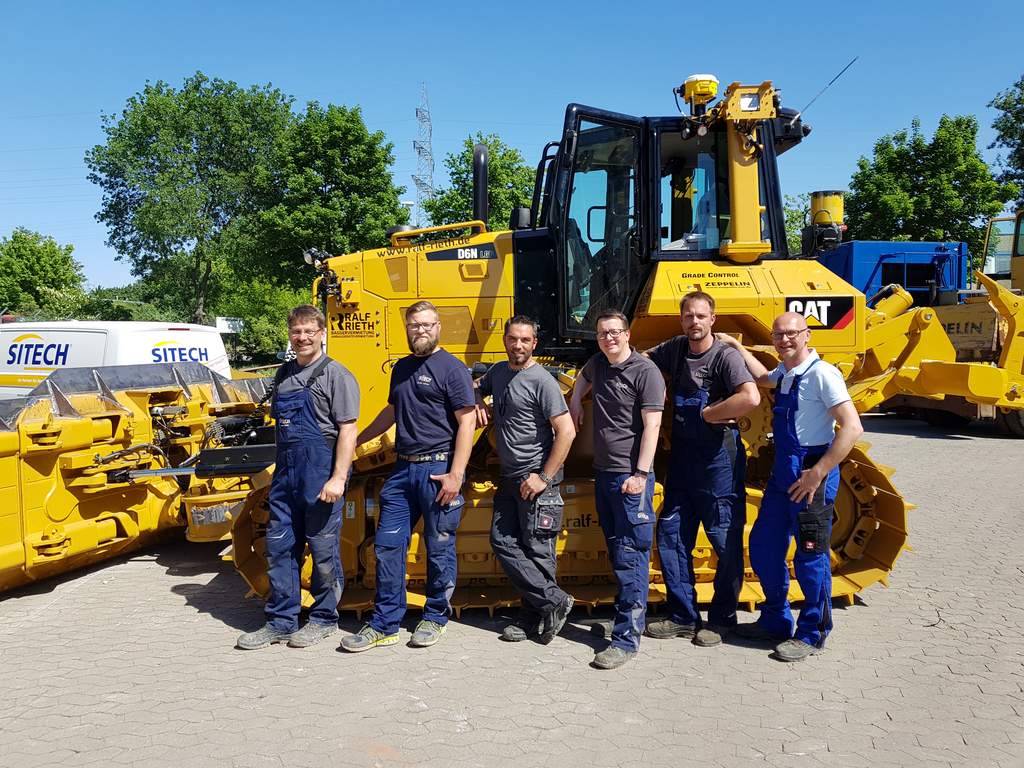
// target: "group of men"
[[436, 407]]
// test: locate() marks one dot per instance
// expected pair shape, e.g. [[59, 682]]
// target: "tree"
[[1009, 127], [795, 208], [264, 306], [30, 265], [179, 171], [330, 187], [916, 189], [509, 184]]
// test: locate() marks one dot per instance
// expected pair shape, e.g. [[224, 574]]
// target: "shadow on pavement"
[[891, 424]]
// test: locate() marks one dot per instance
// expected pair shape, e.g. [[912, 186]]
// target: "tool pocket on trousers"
[[450, 515], [813, 526], [548, 511]]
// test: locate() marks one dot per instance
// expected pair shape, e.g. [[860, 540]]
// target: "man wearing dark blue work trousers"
[[315, 406], [628, 396], [711, 388], [810, 400], [431, 403]]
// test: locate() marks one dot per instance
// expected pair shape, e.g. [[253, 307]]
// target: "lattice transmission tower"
[[424, 146]]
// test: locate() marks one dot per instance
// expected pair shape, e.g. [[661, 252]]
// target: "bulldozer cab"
[[1004, 250], [623, 192]]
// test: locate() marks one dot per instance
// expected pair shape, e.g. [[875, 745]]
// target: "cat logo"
[[833, 313]]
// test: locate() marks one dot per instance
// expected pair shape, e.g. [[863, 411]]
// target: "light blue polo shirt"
[[821, 388]]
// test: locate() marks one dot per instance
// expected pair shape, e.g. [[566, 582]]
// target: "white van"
[[29, 352]]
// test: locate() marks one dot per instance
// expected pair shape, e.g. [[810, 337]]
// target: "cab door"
[[597, 212]]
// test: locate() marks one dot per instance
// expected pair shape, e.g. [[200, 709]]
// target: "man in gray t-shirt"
[[711, 389], [315, 407], [533, 436]]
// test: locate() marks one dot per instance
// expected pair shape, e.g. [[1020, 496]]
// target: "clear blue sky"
[[495, 67]]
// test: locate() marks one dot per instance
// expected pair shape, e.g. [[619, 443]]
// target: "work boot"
[[612, 657], [261, 638], [311, 634], [427, 633], [524, 627], [555, 620], [753, 630], [367, 638], [795, 650], [711, 634], [666, 628]]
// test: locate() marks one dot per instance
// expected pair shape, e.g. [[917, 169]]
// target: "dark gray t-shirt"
[[720, 370], [621, 393], [335, 393], [524, 403]]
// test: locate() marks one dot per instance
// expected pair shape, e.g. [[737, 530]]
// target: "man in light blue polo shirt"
[[810, 400]]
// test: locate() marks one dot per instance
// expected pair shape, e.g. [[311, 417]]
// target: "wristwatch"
[[547, 480], [641, 473]]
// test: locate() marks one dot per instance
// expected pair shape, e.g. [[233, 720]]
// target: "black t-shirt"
[[720, 370], [426, 392]]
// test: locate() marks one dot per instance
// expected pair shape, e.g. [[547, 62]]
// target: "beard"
[[422, 346], [518, 358]]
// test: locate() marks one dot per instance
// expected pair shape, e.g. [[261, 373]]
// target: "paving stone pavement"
[[131, 663]]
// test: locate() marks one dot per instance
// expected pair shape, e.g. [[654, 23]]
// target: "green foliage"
[[31, 266], [509, 184], [795, 208], [264, 306], [1009, 127], [330, 188], [917, 189], [180, 168]]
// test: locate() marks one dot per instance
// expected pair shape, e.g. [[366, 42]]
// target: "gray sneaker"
[[795, 650], [612, 657], [711, 634], [311, 634], [666, 628], [367, 638], [427, 633], [261, 638]]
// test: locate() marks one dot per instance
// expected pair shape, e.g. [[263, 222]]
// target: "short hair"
[[304, 313], [612, 314], [421, 306], [697, 296], [523, 320]]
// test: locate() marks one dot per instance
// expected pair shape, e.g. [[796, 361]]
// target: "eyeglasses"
[[421, 326], [780, 335], [614, 333], [303, 334]]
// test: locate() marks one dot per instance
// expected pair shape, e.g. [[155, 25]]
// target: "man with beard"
[[711, 388], [315, 407], [534, 434], [810, 400], [629, 396], [431, 403]]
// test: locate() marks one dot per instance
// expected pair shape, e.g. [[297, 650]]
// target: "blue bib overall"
[[707, 469], [781, 519], [305, 460]]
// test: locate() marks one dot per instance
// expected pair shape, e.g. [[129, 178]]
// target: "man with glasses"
[[431, 404], [628, 398], [711, 389], [315, 406], [810, 400], [534, 433]]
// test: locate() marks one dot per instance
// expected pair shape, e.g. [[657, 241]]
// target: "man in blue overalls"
[[315, 407], [431, 402], [810, 400], [711, 388]]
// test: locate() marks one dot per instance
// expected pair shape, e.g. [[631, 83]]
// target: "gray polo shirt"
[[621, 392], [524, 402], [335, 393]]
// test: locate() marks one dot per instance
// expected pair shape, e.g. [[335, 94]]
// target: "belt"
[[423, 457]]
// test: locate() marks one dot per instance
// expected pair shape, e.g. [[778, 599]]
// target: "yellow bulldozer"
[[627, 213]]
